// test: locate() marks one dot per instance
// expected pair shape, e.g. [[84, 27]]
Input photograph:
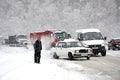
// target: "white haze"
[[25, 16]]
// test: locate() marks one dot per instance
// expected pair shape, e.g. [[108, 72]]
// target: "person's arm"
[[40, 45], [36, 46]]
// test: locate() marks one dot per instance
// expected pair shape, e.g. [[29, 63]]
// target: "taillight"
[[115, 43]]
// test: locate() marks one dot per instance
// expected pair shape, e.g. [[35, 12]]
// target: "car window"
[[74, 44], [118, 40], [115, 40], [59, 44], [64, 45]]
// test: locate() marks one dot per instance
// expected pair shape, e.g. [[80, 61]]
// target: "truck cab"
[[59, 36], [22, 40], [49, 37], [92, 38]]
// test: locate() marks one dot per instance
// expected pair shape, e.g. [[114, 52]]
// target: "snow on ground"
[[17, 64], [115, 53]]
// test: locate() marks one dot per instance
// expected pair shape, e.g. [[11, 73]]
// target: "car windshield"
[[60, 35], [117, 40], [74, 44], [91, 36]]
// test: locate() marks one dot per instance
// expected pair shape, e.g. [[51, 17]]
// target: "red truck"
[[52, 36]]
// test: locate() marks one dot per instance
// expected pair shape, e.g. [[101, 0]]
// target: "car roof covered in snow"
[[115, 38], [87, 30]]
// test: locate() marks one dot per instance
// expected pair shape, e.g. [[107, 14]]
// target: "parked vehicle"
[[70, 48], [16, 40], [22, 40], [114, 44], [2, 41], [52, 36], [92, 38], [12, 41]]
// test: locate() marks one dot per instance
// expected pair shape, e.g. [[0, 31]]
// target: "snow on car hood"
[[93, 42], [77, 48]]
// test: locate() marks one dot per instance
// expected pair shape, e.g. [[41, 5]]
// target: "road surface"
[[108, 67], [18, 64]]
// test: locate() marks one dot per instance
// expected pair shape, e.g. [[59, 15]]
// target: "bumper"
[[100, 49], [81, 55]]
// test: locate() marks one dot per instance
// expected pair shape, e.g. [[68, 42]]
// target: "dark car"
[[114, 44]]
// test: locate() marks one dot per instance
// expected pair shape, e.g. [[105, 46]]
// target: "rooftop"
[[87, 30]]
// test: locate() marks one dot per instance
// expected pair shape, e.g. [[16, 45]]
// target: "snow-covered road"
[[17, 64], [108, 67]]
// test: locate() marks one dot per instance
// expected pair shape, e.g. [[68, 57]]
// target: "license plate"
[[83, 54], [94, 47]]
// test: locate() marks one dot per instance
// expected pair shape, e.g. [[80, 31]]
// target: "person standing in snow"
[[37, 48]]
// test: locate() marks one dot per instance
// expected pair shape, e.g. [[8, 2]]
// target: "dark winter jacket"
[[38, 46]]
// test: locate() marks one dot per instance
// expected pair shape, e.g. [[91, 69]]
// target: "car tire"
[[88, 57], [103, 53], [55, 56], [70, 56], [113, 48]]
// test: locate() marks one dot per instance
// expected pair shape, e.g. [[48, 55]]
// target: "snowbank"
[[17, 64]]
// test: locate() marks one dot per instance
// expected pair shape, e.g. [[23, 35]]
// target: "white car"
[[70, 48]]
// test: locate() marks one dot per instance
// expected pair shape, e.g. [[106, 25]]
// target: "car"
[[114, 44], [92, 38], [70, 48], [2, 40]]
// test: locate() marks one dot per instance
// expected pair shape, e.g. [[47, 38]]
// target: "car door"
[[61, 49], [58, 49], [64, 49]]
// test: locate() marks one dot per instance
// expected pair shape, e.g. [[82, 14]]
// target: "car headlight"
[[103, 44], [76, 51], [90, 50]]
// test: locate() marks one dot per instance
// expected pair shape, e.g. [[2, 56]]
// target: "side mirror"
[[105, 38]]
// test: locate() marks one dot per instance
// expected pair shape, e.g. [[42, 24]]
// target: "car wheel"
[[88, 57], [108, 48], [70, 55], [113, 48], [103, 53], [55, 56]]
